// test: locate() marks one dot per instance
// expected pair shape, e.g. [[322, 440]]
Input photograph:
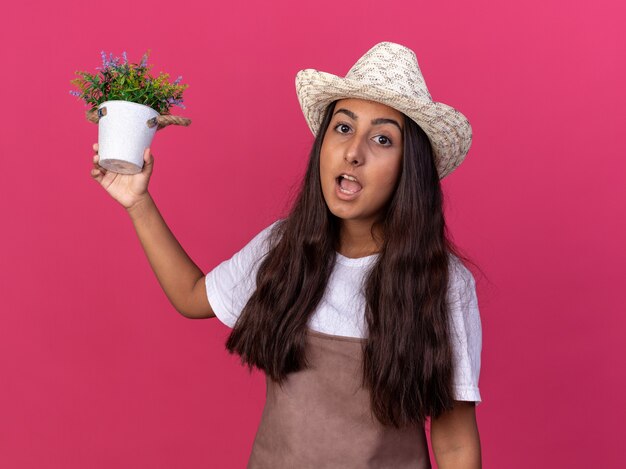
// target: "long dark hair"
[[407, 357]]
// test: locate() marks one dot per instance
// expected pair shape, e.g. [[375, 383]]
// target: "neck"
[[356, 240]]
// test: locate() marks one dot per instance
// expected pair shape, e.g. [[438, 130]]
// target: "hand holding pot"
[[127, 189]]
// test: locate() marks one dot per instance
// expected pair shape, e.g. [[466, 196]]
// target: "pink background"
[[98, 370]]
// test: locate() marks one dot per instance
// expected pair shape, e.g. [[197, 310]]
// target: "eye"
[[384, 141], [342, 128]]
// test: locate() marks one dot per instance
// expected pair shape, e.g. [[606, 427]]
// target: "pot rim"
[[128, 102]]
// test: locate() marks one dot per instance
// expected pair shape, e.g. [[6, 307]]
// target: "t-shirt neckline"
[[356, 261]]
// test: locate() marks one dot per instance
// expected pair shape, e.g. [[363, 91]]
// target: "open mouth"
[[348, 184]]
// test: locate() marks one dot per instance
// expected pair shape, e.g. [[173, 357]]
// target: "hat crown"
[[393, 67]]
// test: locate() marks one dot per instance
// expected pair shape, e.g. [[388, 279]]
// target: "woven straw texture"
[[389, 74]]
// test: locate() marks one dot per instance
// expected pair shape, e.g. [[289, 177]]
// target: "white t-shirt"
[[342, 308]]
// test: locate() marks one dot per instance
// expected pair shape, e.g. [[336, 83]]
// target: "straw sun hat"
[[389, 74]]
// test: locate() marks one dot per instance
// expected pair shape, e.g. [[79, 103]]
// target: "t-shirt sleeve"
[[466, 332], [230, 284]]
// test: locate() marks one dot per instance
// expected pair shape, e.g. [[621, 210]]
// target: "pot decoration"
[[129, 107]]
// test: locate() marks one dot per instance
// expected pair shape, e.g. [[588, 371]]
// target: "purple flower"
[[74, 93], [125, 59], [144, 61], [113, 61], [175, 102], [177, 81], [104, 59]]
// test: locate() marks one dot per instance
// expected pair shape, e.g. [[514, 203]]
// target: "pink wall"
[[98, 370]]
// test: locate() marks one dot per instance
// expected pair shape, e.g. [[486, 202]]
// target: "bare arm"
[[180, 278], [455, 439]]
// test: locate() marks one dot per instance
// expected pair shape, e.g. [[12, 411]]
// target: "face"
[[361, 159]]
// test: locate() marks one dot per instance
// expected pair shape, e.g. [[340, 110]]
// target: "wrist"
[[140, 206]]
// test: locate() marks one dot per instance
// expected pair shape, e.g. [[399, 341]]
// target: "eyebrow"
[[377, 121]]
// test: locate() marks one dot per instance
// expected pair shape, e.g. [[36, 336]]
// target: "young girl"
[[356, 306]]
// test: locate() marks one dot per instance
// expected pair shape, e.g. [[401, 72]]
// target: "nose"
[[354, 154]]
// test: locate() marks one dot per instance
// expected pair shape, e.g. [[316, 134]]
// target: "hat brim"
[[449, 131]]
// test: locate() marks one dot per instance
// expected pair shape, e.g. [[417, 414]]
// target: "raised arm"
[[181, 279]]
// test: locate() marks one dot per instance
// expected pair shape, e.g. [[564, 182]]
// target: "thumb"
[[148, 162], [148, 158]]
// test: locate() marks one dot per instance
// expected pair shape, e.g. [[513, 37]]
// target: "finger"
[[95, 147], [96, 173], [96, 165]]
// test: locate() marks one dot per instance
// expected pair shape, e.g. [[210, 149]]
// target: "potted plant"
[[129, 106]]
